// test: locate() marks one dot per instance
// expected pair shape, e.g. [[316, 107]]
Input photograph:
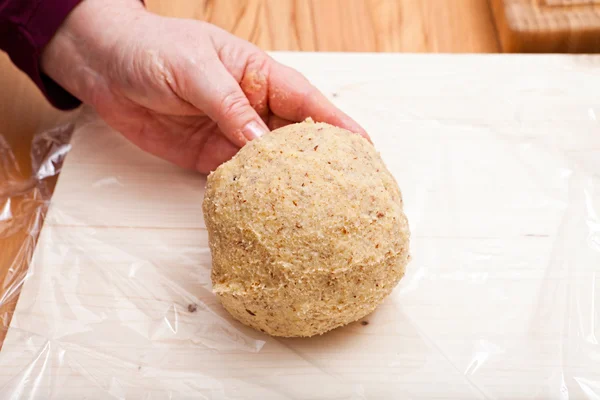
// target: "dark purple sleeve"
[[26, 26]]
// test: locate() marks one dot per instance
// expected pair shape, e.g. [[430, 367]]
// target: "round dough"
[[306, 230]]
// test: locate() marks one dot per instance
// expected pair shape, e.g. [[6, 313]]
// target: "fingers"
[[276, 122], [212, 89], [217, 150], [292, 97], [189, 142], [265, 89], [255, 87]]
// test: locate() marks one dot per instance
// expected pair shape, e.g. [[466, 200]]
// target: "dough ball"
[[306, 230]]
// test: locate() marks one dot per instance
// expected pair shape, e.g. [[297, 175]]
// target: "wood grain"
[[548, 26], [497, 158], [348, 25]]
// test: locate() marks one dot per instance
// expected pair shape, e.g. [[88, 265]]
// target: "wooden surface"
[[321, 25], [497, 158], [548, 26], [348, 25], [324, 25]]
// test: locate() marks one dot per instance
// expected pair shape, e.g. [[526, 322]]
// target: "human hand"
[[183, 90]]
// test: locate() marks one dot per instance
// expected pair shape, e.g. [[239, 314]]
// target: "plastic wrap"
[[501, 299], [25, 192]]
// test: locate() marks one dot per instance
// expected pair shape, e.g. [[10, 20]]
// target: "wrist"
[[77, 55]]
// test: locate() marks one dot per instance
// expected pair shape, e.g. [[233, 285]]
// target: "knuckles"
[[233, 105]]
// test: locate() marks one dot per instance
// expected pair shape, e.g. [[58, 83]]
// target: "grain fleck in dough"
[[306, 230]]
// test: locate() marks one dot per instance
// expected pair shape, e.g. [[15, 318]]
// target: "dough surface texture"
[[306, 230]]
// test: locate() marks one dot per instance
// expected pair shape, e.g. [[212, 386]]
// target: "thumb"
[[214, 91]]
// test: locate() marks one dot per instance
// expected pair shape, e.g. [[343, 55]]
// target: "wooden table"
[[316, 25]]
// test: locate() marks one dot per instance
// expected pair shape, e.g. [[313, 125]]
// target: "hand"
[[183, 90]]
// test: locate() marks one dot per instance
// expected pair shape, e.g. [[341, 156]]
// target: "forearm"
[[76, 56]]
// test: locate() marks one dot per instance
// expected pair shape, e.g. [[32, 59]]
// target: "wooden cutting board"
[[548, 26], [497, 157]]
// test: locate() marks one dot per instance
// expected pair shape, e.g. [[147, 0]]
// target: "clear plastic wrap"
[[25, 192], [501, 300]]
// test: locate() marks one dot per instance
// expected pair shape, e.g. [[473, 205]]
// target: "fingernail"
[[254, 130]]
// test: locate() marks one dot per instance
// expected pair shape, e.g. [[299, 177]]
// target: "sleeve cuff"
[[24, 40], [42, 26], [24, 35]]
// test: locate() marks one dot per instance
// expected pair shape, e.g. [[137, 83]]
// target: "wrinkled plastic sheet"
[[25, 192], [501, 299]]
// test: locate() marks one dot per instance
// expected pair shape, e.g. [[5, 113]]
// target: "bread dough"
[[306, 230]]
